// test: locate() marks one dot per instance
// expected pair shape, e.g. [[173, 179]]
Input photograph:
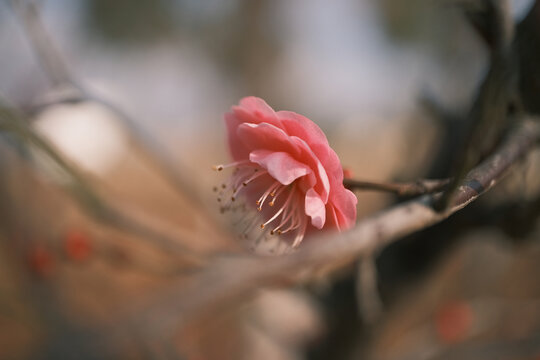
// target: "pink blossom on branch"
[[285, 168]]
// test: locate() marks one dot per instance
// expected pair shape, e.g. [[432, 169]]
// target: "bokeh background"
[[388, 81]]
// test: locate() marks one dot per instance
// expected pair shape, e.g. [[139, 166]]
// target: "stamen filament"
[[262, 199], [283, 207], [284, 220], [256, 175], [275, 196]]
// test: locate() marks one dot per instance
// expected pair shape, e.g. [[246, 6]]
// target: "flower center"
[[252, 181]]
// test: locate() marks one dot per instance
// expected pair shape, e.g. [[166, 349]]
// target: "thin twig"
[[86, 195], [42, 45], [417, 188]]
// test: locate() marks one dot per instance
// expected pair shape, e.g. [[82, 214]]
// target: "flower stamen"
[[281, 209], [284, 220], [256, 175], [262, 199], [276, 194]]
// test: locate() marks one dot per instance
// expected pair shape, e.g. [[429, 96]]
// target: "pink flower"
[[285, 166]]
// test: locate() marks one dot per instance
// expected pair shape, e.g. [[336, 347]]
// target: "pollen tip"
[[233, 198], [223, 186], [219, 199], [259, 208], [217, 167], [280, 232], [272, 232], [215, 188], [262, 226], [271, 203]]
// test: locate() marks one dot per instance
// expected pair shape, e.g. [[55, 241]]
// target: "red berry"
[[77, 245]]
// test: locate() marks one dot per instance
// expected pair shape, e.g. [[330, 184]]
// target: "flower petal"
[[280, 165], [297, 125], [237, 148], [344, 204], [265, 136], [315, 208], [255, 110], [323, 186]]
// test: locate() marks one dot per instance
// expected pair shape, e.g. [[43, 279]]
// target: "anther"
[[256, 175], [275, 196]]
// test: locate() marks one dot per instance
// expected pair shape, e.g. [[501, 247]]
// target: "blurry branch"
[[492, 20], [417, 188], [56, 69], [369, 302], [84, 193], [228, 280], [43, 46], [488, 116]]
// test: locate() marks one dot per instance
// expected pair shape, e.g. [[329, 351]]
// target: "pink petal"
[[315, 209], [255, 110], [297, 125], [280, 165], [344, 204], [323, 185], [269, 137], [265, 136], [333, 221], [236, 147]]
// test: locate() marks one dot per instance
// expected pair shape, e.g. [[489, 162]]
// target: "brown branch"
[[417, 188], [488, 116], [89, 199], [229, 279]]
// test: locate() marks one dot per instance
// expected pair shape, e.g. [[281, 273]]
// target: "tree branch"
[[88, 198], [417, 188]]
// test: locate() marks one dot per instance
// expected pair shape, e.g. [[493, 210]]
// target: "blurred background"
[[389, 83]]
